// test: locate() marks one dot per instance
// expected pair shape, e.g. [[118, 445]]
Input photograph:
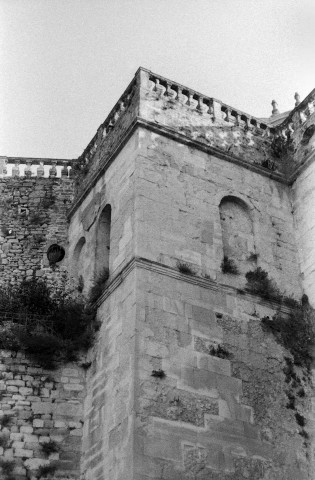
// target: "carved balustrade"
[[34, 167]]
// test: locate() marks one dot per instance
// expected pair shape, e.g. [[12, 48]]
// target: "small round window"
[[55, 253], [307, 135]]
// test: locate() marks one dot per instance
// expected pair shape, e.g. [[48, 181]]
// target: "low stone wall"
[[39, 406]]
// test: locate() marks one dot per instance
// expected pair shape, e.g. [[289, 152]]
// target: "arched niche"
[[103, 241], [237, 233], [78, 258]]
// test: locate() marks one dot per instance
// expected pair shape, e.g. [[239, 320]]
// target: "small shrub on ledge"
[[259, 283], [49, 327], [229, 266], [185, 268]]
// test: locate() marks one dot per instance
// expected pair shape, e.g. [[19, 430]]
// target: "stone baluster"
[[290, 128], [227, 115], [178, 93], [211, 109], [310, 108], [28, 168], [121, 105], [64, 170], [157, 84], [3, 166], [40, 172], [302, 117], [237, 119], [16, 169], [266, 132], [110, 126], [169, 92], [190, 99], [116, 115], [200, 104], [53, 170], [275, 109]]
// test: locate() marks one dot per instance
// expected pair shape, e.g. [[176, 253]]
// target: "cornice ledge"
[[156, 267], [303, 166], [102, 167], [170, 133]]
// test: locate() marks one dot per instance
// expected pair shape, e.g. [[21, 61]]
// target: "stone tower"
[[188, 181], [184, 382]]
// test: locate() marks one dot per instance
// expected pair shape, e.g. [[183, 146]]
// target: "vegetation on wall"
[[229, 266], [98, 285], [49, 326], [295, 332], [259, 283], [185, 268]]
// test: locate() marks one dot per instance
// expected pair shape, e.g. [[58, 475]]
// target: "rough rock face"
[[184, 382]]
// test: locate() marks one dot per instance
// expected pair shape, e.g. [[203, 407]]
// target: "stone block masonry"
[[183, 383], [210, 417], [39, 408]]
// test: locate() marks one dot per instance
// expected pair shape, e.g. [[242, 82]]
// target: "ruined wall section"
[[179, 192], [33, 216], [204, 415], [39, 406]]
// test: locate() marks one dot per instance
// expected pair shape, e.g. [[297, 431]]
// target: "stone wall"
[[179, 192], [39, 406], [210, 417], [115, 188], [108, 436], [32, 217]]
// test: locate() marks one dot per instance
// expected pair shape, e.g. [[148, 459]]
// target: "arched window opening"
[[237, 233], [103, 243]]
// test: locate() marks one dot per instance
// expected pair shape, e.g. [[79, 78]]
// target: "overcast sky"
[[65, 63]]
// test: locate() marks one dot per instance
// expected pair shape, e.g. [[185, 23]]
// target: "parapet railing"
[[297, 117], [186, 96], [207, 105], [109, 123], [35, 167]]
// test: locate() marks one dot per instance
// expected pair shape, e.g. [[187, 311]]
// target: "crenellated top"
[[35, 167]]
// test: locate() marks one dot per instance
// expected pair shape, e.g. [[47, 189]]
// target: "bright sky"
[[65, 63]]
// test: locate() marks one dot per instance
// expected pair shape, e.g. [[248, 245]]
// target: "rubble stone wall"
[[32, 217], [39, 406]]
